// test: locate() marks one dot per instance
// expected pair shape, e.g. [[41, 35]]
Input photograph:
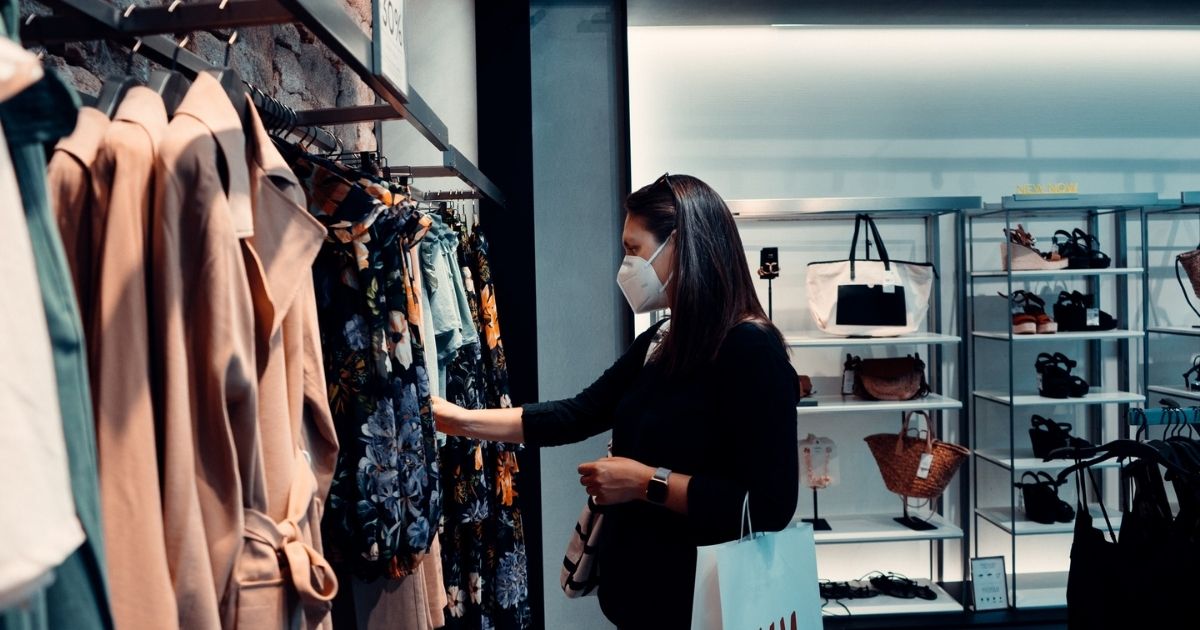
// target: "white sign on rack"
[[391, 63]]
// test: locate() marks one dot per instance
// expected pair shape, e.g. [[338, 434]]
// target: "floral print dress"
[[385, 502], [483, 543]]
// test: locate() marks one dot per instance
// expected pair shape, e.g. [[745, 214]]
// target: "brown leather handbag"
[[898, 378]]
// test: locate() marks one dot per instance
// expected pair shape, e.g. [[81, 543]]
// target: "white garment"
[[38, 526], [19, 68]]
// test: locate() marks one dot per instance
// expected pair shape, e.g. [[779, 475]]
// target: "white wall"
[[440, 40], [811, 112]]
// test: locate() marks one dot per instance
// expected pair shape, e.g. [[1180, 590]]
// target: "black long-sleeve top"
[[732, 428]]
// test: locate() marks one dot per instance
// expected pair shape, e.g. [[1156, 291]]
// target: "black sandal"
[[1191, 378], [1082, 250], [1055, 379], [1047, 435], [901, 587], [1042, 504], [845, 590], [1071, 312]]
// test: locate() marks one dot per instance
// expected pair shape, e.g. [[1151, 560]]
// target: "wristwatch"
[[656, 489]]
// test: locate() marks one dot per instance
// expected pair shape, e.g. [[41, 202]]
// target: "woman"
[[700, 417]]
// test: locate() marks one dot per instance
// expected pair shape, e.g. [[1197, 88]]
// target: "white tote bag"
[[869, 298], [766, 580]]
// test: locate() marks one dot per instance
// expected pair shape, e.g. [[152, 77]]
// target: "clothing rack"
[[82, 20], [1164, 416], [279, 117]]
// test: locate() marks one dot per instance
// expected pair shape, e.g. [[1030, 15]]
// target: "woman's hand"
[[447, 416], [615, 480]]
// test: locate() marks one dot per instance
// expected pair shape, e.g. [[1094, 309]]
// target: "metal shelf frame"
[[328, 21], [1188, 207], [1119, 209], [930, 211]]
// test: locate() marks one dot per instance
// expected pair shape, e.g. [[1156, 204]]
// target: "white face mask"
[[640, 284]]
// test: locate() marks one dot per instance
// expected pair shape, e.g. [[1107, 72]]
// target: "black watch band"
[[656, 489]]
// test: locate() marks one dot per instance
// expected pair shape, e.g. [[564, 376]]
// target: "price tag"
[[847, 382], [926, 463], [1093, 317], [889, 288]]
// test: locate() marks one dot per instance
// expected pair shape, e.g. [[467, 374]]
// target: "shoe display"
[[846, 590], [1046, 435], [1029, 314], [1019, 254], [1055, 379], [1076, 312], [894, 585], [1082, 250], [1040, 496], [1191, 378]]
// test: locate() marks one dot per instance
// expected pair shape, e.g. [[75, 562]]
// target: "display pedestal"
[[914, 524], [819, 524]]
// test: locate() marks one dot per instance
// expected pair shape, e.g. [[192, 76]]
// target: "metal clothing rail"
[[327, 21]]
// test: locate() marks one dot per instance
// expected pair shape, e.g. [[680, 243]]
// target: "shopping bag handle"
[[859, 219], [746, 518]]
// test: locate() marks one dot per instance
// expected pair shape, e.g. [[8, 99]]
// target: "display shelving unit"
[[1187, 208], [938, 341], [1008, 457]]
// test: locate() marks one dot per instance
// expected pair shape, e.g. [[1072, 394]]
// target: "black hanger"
[[171, 85], [115, 87], [1154, 450], [232, 83]]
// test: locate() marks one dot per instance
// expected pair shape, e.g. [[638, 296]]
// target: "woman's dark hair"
[[711, 289]]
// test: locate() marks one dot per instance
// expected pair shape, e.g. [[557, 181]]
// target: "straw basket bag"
[[1190, 261], [899, 458]]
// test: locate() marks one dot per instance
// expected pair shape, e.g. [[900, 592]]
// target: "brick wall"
[[285, 61]]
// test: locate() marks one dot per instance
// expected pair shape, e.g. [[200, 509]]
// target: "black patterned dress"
[[385, 502]]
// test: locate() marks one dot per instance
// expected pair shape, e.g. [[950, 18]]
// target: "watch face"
[[657, 491]]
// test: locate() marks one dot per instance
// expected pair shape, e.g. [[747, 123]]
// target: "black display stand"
[[914, 524], [768, 269], [819, 524]]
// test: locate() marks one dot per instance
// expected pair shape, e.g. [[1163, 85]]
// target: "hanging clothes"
[[385, 500], [114, 196], [39, 529], [1153, 560], [485, 563], [452, 324], [247, 441], [299, 442], [45, 112]]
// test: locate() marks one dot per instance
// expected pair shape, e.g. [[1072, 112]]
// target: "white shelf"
[[1041, 590], [1025, 460], [873, 528], [884, 605], [1173, 391], [1058, 273], [829, 341], [1186, 331], [837, 403], [1000, 517], [1062, 336], [1095, 397]]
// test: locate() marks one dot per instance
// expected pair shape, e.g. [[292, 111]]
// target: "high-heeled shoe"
[[1040, 496], [1046, 435], [1019, 254], [1082, 250], [1032, 317], [1072, 313], [1055, 379]]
